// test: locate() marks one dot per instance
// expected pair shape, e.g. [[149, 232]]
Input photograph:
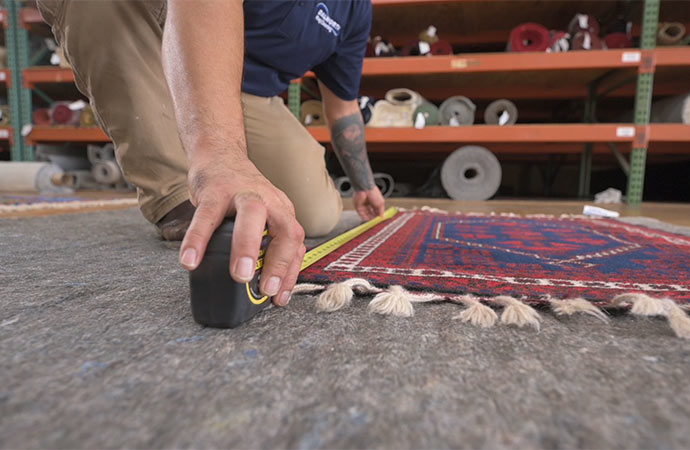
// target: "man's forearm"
[[347, 137], [205, 81]]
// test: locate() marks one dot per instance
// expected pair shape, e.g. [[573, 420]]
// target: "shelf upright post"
[[12, 7], [643, 101], [586, 157], [295, 97]]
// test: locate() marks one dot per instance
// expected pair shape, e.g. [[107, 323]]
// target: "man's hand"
[[220, 188], [369, 204]]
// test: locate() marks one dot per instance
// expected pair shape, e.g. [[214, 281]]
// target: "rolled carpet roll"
[[457, 111], [106, 172], [4, 115], [379, 47], [584, 40], [425, 115], [343, 185], [62, 114], [671, 110], [670, 33], [429, 35], [385, 183], [529, 37], [559, 41], [33, 177], [385, 114], [441, 48], [501, 112], [415, 48], [312, 113], [41, 116], [404, 97], [618, 40], [97, 153], [87, 117], [471, 173], [366, 107], [583, 22]]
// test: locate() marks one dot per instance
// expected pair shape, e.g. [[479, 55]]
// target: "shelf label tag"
[[625, 132], [4, 133], [26, 129], [631, 57], [3, 76]]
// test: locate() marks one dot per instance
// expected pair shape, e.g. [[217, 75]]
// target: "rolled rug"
[[618, 40], [106, 172], [584, 40], [425, 115], [98, 153], [441, 48], [62, 113], [471, 173], [312, 113], [4, 115], [415, 48], [670, 33], [529, 37], [429, 35], [385, 183], [386, 114], [33, 177], [559, 41], [404, 97], [671, 110], [457, 111], [583, 22], [379, 47], [41, 116], [343, 185], [87, 117], [501, 112], [366, 107]]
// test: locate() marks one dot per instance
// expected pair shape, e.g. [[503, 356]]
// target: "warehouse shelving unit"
[[535, 76]]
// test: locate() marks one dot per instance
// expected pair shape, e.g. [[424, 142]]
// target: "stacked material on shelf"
[[3, 57], [41, 116], [397, 109], [72, 160], [559, 41], [379, 47], [366, 107], [501, 112], [471, 173], [87, 118], [62, 113], [457, 111], [670, 33], [311, 113], [618, 40], [383, 181], [104, 167], [425, 115], [529, 37], [428, 43]]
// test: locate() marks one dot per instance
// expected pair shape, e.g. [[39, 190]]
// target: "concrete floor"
[[98, 350]]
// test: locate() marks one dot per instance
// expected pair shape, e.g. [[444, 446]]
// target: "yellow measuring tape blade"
[[327, 247]]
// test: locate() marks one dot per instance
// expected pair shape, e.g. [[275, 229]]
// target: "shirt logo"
[[325, 20]]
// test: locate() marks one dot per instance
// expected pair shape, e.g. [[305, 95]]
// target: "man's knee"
[[319, 220]]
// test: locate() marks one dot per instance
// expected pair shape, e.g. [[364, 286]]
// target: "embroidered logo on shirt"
[[325, 20]]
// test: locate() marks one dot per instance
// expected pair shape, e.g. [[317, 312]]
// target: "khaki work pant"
[[114, 47]]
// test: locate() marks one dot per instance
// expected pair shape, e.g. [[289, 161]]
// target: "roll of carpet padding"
[[425, 115], [62, 113], [380, 47], [471, 173], [41, 116], [429, 35], [583, 22], [671, 110], [32, 177], [441, 48], [584, 40], [385, 183], [344, 186], [97, 153], [618, 40], [4, 115], [529, 37], [312, 113], [404, 97], [396, 109], [107, 172], [457, 111], [416, 48], [501, 112], [670, 33], [87, 117], [366, 107]]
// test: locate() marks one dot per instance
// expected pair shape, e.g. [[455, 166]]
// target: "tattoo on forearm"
[[347, 136]]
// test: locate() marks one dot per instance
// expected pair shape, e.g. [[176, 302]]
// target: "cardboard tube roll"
[[471, 173], [501, 112], [457, 111]]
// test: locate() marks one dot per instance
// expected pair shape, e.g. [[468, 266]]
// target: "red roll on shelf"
[[529, 37], [41, 116], [441, 47], [618, 40]]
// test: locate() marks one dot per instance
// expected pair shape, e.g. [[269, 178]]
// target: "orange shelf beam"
[[48, 74], [29, 16], [670, 132], [672, 56], [579, 133], [65, 134]]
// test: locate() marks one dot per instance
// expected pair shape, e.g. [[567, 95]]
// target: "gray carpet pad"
[[98, 349]]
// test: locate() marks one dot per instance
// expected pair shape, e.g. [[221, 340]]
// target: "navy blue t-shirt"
[[284, 39]]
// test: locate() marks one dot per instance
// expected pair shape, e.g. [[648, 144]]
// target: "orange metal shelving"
[[65, 134], [46, 74]]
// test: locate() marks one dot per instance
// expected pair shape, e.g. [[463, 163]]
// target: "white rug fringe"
[[398, 301]]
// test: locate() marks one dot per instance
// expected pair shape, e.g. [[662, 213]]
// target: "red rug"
[[530, 258]]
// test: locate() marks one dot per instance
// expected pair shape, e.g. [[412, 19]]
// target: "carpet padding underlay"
[[98, 349]]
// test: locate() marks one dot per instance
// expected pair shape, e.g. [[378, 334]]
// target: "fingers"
[[280, 267], [247, 234], [290, 279], [208, 216]]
